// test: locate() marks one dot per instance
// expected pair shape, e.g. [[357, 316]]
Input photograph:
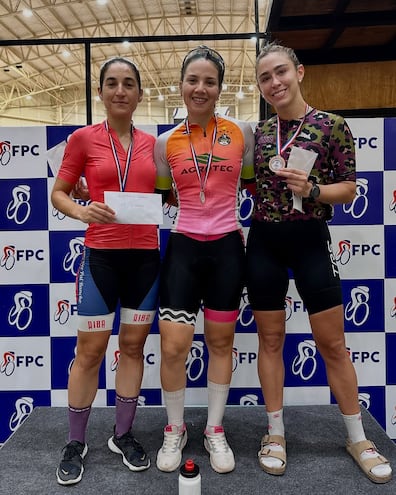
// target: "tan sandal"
[[266, 451], [366, 465]]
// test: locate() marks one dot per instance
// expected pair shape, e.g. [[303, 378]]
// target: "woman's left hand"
[[296, 180]]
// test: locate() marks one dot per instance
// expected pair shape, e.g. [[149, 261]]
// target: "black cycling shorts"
[[304, 247], [195, 272]]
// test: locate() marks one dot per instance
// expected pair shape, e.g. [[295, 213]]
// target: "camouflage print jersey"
[[325, 133]]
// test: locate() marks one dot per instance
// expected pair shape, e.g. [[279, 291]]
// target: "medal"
[[277, 163], [122, 178], [195, 158]]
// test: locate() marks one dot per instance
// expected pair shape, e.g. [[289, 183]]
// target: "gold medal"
[[277, 163]]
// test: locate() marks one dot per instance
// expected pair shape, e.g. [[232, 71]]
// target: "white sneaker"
[[221, 456], [170, 454]]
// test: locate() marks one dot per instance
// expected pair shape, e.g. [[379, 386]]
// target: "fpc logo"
[[8, 150], [23, 408], [18, 209], [245, 316], [63, 310], [195, 364], [363, 357], [393, 309], [392, 203], [20, 314], [363, 142], [249, 400], [304, 364], [293, 306], [11, 361], [346, 250], [359, 205], [364, 399], [71, 260], [357, 310], [148, 359], [5, 152], [11, 255], [242, 357]]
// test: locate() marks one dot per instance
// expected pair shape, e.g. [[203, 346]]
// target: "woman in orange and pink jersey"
[[120, 264], [204, 158]]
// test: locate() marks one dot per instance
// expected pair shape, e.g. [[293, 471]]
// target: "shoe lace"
[[218, 443], [71, 451], [128, 441], [171, 442]]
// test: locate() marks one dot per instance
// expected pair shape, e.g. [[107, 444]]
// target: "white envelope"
[[135, 208], [302, 160]]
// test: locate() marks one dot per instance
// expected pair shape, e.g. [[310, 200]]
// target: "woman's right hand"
[[97, 212]]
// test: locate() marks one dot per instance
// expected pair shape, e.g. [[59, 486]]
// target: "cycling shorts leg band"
[[323, 300], [98, 323], [221, 316], [177, 316], [136, 316]]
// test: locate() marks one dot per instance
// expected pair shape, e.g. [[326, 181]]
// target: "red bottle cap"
[[189, 465]]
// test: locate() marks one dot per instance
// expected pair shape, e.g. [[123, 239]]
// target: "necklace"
[[202, 180], [277, 162], [122, 178]]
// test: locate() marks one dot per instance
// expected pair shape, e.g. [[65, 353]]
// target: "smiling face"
[[200, 89], [279, 79], [120, 90]]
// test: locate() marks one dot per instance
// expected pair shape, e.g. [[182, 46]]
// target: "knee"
[[271, 342], [220, 347], [173, 351], [333, 351], [89, 359], [132, 351]]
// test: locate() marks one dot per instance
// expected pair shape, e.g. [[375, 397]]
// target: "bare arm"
[[95, 212], [336, 193]]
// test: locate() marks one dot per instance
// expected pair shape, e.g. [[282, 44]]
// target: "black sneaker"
[[71, 466], [133, 454]]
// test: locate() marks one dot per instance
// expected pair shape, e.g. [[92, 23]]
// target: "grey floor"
[[317, 460]]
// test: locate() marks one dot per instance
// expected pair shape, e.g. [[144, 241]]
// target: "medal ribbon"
[[121, 179], [279, 148], [203, 182]]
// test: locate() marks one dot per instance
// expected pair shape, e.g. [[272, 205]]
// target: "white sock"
[[275, 423], [354, 426], [217, 400], [174, 403], [275, 427]]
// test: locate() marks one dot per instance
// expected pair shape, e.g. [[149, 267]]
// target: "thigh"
[[96, 284], [180, 281], [138, 271], [315, 269], [225, 267], [267, 272]]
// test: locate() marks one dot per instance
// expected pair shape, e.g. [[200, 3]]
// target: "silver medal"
[[277, 163]]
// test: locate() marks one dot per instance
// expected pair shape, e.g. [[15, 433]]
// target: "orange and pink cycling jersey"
[[231, 144], [89, 153]]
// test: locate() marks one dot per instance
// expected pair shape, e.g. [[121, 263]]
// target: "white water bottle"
[[189, 479]]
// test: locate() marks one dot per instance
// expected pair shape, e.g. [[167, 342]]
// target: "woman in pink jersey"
[[120, 265], [204, 158]]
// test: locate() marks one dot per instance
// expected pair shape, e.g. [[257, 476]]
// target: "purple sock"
[[125, 414], [78, 419]]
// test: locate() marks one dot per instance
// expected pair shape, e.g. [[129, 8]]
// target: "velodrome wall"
[[40, 251]]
